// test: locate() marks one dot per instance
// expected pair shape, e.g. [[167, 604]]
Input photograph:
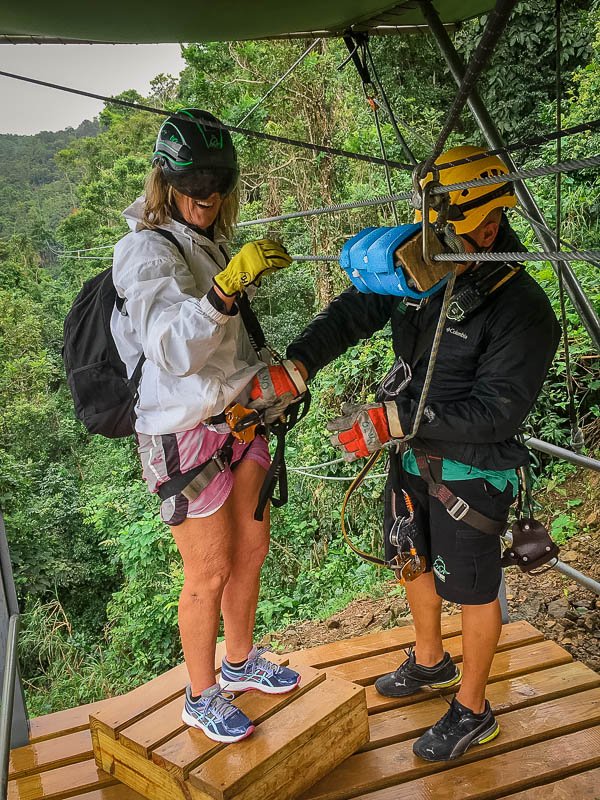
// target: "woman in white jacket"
[[181, 296]]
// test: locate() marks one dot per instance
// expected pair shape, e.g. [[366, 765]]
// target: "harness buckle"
[[221, 461], [459, 510]]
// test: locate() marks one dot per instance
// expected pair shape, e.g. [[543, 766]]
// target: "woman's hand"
[[254, 260], [274, 388]]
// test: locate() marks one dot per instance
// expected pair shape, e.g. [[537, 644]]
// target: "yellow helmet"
[[469, 207]]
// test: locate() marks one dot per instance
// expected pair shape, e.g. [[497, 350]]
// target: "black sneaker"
[[457, 730], [410, 677]]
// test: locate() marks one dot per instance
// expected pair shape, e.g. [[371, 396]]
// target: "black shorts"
[[465, 561]]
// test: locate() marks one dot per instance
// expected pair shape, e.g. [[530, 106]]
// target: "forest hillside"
[[97, 574]]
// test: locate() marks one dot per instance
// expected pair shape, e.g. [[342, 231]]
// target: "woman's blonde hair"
[[160, 200]]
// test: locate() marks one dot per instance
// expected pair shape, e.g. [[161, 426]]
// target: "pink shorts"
[[168, 455]]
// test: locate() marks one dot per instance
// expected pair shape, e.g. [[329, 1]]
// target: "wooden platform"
[[547, 705]]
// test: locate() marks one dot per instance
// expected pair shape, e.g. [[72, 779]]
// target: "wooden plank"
[[584, 785], [508, 695], [68, 721], [387, 766], [180, 752], [318, 756], [367, 670], [146, 698], [233, 770], [508, 664], [141, 701], [531, 767], [117, 792], [50, 754], [142, 775], [59, 783], [327, 655]]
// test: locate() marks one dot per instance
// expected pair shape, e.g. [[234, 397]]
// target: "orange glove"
[[364, 429], [274, 388]]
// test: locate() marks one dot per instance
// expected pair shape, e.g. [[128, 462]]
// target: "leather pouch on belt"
[[531, 548]]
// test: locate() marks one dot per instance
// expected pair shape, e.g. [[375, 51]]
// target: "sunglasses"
[[200, 184]]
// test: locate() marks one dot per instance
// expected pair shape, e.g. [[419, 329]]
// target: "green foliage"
[[98, 575]]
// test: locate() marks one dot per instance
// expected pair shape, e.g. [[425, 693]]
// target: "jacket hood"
[[134, 213]]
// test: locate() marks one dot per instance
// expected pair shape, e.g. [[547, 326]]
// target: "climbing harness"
[[430, 470], [244, 425]]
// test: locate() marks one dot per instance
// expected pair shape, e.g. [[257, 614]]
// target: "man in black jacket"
[[460, 471]]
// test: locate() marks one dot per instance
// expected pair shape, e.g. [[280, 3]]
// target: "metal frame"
[[578, 297], [14, 722]]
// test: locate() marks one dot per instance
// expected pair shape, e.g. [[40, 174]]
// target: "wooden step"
[[327, 655], [299, 738], [391, 764], [49, 754], [497, 777], [584, 786], [59, 783], [367, 670], [117, 792], [399, 725], [507, 664], [188, 749]]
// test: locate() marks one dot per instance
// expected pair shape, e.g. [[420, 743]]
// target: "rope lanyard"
[[349, 492]]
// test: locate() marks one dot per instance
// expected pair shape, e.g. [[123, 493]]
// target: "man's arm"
[[350, 317]]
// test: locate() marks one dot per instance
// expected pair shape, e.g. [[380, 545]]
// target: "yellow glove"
[[254, 260]]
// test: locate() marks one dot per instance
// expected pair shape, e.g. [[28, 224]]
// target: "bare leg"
[[205, 547], [481, 630], [250, 545], [426, 608]]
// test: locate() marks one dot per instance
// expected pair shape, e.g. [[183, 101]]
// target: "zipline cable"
[[540, 226], [316, 148], [592, 256], [571, 165], [496, 23], [593, 125], [277, 83]]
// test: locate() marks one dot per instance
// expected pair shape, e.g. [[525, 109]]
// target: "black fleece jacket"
[[489, 369]]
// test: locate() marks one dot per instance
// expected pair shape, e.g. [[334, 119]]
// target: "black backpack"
[[104, 397]]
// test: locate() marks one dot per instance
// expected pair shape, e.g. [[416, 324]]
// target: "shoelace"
[[263, 663], [449, 717], [223, 707]]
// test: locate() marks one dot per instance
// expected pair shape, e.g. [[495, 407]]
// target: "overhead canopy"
[[146, 21]]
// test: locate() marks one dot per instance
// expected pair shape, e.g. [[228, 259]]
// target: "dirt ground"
[[560, 608]]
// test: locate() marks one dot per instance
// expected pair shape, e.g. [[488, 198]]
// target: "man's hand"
[[254, 260], [364, 429], [274, 388]]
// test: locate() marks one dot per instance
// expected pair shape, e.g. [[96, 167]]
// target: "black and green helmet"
[[196, 158]]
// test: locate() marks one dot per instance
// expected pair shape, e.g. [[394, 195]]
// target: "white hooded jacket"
[[197, 360]]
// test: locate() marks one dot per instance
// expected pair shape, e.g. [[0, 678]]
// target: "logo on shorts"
[[439, 567]]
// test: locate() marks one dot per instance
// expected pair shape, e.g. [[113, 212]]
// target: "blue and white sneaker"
[[258, 673], [215, 714]]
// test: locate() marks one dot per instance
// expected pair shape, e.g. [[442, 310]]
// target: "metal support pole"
[[561, 452], [503, 601], [8, 698], [582, 303], [579, 577], [9, 609]]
